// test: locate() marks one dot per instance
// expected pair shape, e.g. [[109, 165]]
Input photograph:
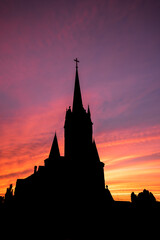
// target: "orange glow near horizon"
[[132, 162], [132, 165], [118, 47]]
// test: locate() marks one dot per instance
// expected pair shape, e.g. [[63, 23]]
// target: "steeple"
[[54, 153], [77, 98]]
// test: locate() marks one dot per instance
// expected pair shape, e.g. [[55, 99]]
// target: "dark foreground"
[[115, 220]]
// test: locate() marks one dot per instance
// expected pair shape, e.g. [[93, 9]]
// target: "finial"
[[77, 61], [89, 113]]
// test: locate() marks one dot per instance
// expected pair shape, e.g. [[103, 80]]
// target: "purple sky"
[[118, 45]]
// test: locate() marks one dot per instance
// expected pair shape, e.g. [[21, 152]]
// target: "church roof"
[[95, 151]]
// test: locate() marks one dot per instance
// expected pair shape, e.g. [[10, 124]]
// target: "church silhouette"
[[67, 199], [70, 186]]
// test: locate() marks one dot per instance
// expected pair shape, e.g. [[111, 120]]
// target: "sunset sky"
[[118, 45]]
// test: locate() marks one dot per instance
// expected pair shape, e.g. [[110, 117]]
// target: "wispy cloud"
[[118, 46]]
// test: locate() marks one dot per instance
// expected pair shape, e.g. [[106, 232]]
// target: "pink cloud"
[[118, 47]]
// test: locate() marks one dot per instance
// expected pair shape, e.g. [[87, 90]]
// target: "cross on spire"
[[77, 61]]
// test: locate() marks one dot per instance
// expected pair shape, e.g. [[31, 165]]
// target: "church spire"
[[77, 98], [54, 153]]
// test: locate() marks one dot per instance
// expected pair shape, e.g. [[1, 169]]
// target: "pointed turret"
[[89, 113], [54, 153], [77, 98]]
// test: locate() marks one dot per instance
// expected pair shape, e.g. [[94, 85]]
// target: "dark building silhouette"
[[67, 199], [73, 184]]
